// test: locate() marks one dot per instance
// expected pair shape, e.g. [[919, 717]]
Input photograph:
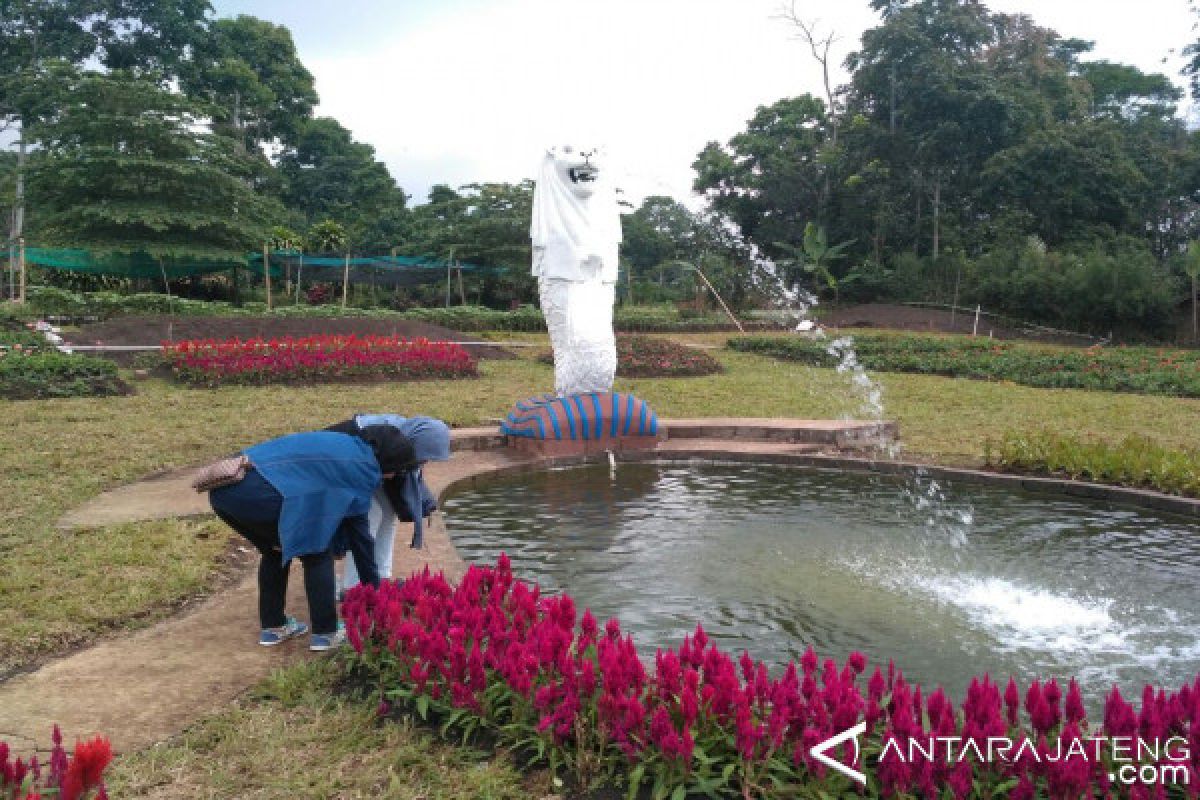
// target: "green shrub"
[[52, 301], [54, 374], [19, 339], [1114, 287], [1136, 461], [1141, 370]]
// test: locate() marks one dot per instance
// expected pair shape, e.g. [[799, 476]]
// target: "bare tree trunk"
[[820, 48], [937, 208], [23, 276], [16, 229], [892, 104], [346, 281], [18, 217], [267, 272], [236, 121], [917, 223]]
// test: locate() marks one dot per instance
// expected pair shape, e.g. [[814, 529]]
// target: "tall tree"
[[768, 179], [32, 34], [481, 223], [38, 38], [248, 70], [154, 36], [660, 231], [327, 174], [921, 80], [122, 167]]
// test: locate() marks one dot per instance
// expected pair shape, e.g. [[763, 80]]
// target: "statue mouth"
[[584, 174]]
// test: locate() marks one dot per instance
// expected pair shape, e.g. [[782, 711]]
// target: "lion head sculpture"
[[576, 228]]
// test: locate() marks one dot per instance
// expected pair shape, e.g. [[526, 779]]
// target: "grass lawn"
[[59, 589], [293, 736]]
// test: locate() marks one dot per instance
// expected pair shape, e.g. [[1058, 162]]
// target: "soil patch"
[[894, 316], [153, 329], [649, 357]]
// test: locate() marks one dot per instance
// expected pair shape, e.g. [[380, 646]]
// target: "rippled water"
[[773, 559]]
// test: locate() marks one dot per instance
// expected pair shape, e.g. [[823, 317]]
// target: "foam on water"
[[1033, 612], [1079, 628]]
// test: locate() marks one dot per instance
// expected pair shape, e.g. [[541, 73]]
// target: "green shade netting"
[[128, 265], [376, 270]]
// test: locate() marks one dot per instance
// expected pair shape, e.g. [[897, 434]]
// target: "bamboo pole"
[[299, 273], [162, 270], [267, 272], [720, 300], [21, 263], [462, 292], [345, 280], [12, 270]]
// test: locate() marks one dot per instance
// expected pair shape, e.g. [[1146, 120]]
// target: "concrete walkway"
[[147, 686]]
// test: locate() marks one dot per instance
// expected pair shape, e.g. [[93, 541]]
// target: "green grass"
[[1135, 461], [293, 736], [1143, 370], [56, 454], [62, 589]]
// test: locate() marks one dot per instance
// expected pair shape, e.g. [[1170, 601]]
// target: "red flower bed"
[[493, 652], [315, 359], [64, 777]]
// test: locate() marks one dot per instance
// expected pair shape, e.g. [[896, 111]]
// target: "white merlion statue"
[[576, 231]]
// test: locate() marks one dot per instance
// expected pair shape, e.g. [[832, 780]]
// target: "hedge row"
[[51, 301], [33, 375], [1136, 461], [1142, 370]]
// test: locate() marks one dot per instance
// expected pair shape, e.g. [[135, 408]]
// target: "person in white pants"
[[404, 497]]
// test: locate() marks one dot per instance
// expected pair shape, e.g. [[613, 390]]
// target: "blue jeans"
[[252, 507]]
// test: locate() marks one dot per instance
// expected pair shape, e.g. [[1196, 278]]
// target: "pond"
[[950, 581]]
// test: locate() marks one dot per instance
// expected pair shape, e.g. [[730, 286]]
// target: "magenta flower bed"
[[315, 359], [76, 776], [494, 653]]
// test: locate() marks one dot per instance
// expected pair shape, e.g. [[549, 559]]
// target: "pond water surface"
[[774, 559]]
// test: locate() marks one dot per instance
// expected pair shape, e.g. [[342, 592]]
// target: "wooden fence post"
[[267, 273], [345, 280], [21, 263]]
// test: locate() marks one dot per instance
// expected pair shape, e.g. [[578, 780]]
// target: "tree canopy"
[[966, 149], [122, 168]]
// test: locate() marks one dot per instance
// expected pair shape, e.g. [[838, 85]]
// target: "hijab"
[[430, 439]]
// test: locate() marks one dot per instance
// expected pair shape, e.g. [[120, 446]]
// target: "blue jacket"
[[323, 478]]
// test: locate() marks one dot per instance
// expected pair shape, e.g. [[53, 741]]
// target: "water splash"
[[796, 306], [945, 521], [946, 524]]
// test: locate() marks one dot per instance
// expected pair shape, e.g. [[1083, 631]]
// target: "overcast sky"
[[459, 91]]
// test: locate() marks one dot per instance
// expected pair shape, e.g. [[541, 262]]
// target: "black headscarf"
[[393, 450]]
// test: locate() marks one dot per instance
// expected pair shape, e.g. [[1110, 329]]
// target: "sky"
[[463, 91]]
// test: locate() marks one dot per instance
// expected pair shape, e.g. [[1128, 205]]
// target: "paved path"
[[144, 687]]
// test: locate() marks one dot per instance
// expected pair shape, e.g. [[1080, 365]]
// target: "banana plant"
[[1191, 266], [815, 257]]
